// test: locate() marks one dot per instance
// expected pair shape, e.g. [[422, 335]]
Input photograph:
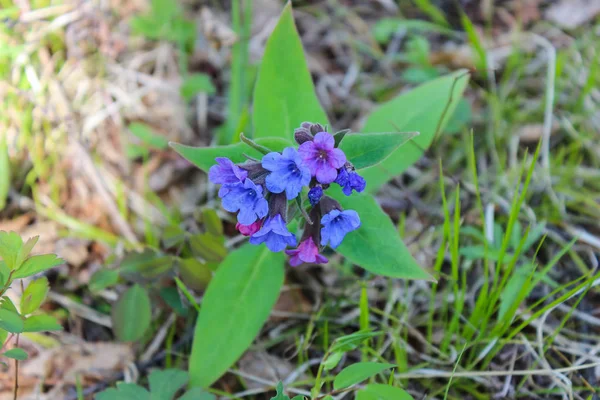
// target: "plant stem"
[[16, 389], [254, 145]]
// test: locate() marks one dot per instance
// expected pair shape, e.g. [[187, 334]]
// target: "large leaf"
[[10, 321], [357, 373], [376, 245], [41, 323], [365, 150], [417, 110], [378, 391], [284, 95], [204, 157], [236, 305], [131, 314]]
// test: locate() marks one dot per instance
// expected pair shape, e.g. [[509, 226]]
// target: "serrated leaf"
[[36, 264], [124, 391], [103, 278], [25, 250], [164, 384], [365, 150], [357, 373], [376, 245], [284, 95], [10, 321], [34, 295], [204, 157], [237, 303], [131, 314], [41, 323], [10, 244], [16, 354], [196, 83], [197, 394], [147, 135], [418, 110], [377, 391]]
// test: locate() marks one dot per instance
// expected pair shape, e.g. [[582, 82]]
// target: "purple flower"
[[274, 234], [314, 195], [248, 230], [336, 224], [226, 172], [287, 172], [247, 198], [350, 180], [322, 158], [307, 252]]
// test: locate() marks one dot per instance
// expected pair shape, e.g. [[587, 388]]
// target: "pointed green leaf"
[[10, 321], [131, 314], [195, 274], [333, 360], [357, 373], [204, 157], [103, 278], [197, 394], [237, 303], [148, 136], [351, 342], [124, 391], [34, 295], [376, 245], [208, 247], [10, 245], [36, 264], [25, 250], [16, 354], [284, 95], [378, 391], [41, 323], [368, 149], [164, 384], [417, 110]]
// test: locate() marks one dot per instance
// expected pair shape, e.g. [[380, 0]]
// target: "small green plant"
[[163, 385], [16, 263]]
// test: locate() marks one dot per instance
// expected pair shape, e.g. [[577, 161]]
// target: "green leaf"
[[124, 391], [461, 117], [148, 264], [41, 323], [365, 150], [194, 273], [357, 373], [378, 391], [300, 397], [146, 26], [376, 245], [204, 157], [208, 247], [16, 354], [418, 110], [352, 341], [34, 295], [197, 394], [36, 264], [333, 360], [196, 83], [212, 221], [10, 244], [103, 278], [280, 394], [147, 135], [172, 297], [4, 273], [237, 303], [284, 95], [3, 337], [131, 314], [386, 27], [10, 321], [4, 171], [25, 250], [164, 384], [512, 291]]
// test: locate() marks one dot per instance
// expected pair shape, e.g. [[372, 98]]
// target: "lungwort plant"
[[299, 188]]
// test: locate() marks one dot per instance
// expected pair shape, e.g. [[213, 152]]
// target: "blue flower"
[[314, 195], [336, 224], [226, 172], [350, 180], [288, 173], [274, 234], [247, 198]]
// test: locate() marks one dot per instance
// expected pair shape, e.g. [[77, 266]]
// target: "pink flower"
[[322, 158], [248, 230], [307, 252]]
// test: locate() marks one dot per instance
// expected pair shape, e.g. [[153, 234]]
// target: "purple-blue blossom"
[[322, 158], [314, 195], [307, 252], [336, 225], [288, 173], [226, 172], [247, 198], [349, 180], [274, 234]]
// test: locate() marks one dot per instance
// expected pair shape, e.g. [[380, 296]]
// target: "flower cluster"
[[259, 191]]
